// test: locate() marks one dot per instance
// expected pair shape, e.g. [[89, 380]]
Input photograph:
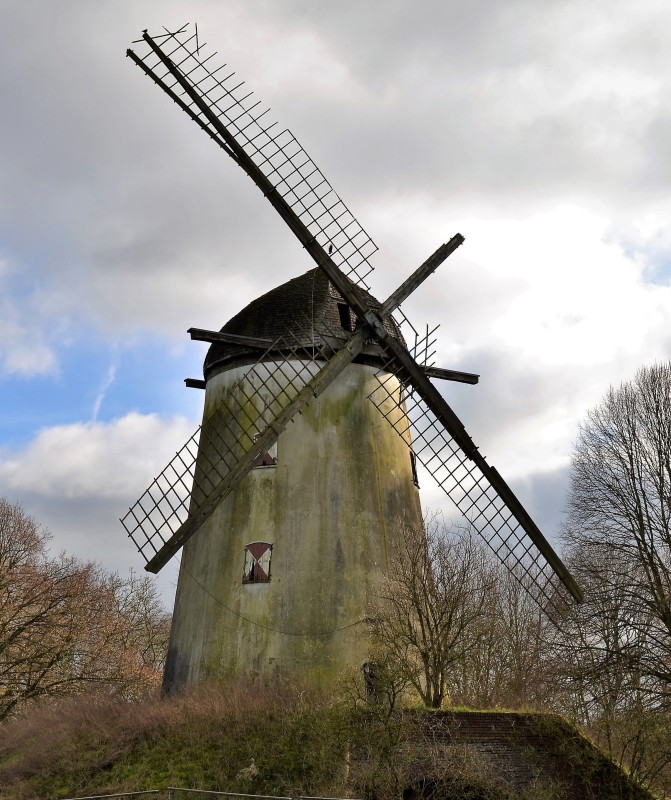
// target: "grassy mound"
[[288, 742], [243, 741]]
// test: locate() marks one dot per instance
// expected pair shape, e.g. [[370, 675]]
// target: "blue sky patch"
[[103, 382]]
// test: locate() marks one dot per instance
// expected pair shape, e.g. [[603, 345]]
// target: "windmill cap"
[[303, 309]]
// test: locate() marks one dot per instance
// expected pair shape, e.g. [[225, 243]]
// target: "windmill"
[[318, 405]]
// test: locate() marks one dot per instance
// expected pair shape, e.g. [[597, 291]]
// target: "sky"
[[539, 131]]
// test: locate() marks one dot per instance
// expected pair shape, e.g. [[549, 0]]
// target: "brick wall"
[[513, 751]]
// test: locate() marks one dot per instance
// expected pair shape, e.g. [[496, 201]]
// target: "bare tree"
[[121, 638], [599, 655], [620, 518], [68, 626], [508, 664], [141, 633], [614, 654], [430, 605]]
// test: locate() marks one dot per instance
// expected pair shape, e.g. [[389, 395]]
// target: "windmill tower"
[[287, 562], [289, 498]]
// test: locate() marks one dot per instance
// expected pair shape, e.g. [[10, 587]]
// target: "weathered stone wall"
[[331, 508]]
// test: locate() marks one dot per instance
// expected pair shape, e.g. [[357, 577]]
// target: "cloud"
[[540, 131], [94, 459], [130, 217], [24, 349], [78, 480], [550, 310], [554, 289], [107, 382]]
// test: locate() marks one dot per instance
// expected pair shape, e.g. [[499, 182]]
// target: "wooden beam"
[[420, 275], [202, 335], [451, 375], [194, 383]]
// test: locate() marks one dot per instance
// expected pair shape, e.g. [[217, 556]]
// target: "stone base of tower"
[[316, 663]]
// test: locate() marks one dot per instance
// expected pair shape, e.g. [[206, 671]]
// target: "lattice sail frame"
[[464, 483], [277, 153], [250, 405]]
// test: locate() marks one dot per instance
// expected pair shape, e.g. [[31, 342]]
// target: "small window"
[[257, 562], [268, 459], [413, 467], [345, 317]]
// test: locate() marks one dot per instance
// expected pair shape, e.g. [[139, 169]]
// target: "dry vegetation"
[[450, 627], [281, 741], [68, 626], [94, 745]]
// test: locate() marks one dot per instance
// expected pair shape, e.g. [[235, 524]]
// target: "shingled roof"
[[305, 307]]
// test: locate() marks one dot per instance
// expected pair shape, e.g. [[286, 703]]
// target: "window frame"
[[253, 561]]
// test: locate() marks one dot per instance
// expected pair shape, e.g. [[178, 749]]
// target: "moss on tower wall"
[[331, 508]]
